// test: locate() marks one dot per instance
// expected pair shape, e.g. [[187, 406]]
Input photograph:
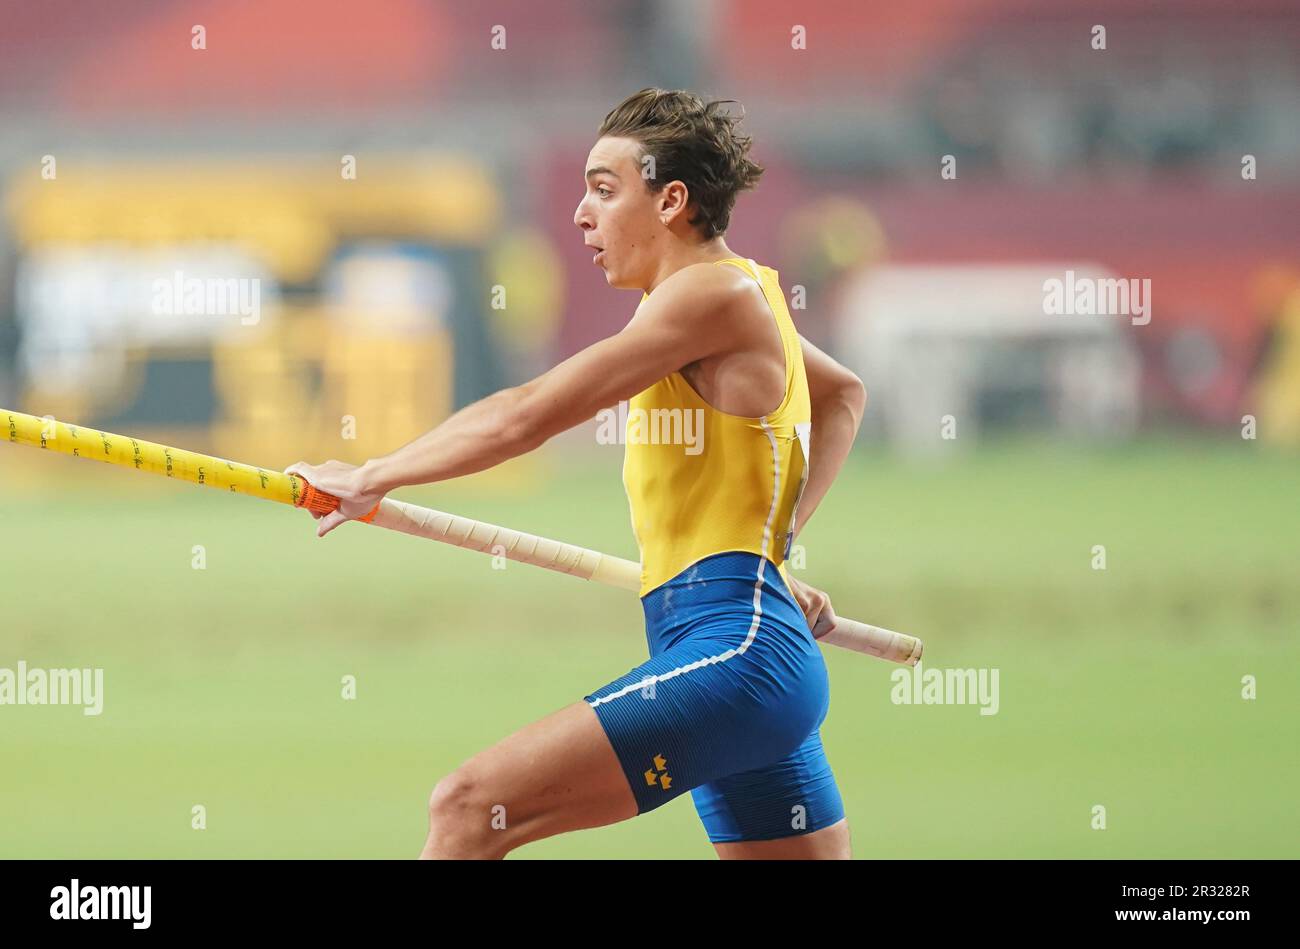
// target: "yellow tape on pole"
[[80, 442]]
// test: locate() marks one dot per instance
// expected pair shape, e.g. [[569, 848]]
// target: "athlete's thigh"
[[829, 843], [556, 775]]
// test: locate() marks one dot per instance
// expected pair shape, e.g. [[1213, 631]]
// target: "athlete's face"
[[619, 215]]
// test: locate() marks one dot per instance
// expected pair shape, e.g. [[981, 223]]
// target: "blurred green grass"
[[222, 686]]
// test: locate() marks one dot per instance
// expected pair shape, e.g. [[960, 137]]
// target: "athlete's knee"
[[464, 820]]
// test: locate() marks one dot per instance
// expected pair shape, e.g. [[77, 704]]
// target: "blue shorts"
[[728, 705]]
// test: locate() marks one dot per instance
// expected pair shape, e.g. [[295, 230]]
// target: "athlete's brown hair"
[[691, 141]]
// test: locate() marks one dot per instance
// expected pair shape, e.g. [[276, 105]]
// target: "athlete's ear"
[[673, 198]]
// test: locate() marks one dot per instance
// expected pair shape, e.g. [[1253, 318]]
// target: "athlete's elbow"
[[856, 394], [850, 396], [522, 425], [518, 436]]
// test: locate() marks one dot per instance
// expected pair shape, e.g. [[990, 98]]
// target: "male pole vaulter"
[[729, 704]]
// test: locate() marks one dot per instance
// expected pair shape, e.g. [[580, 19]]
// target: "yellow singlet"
[[700, 481]]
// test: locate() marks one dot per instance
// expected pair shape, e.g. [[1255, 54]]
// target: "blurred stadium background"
[[403, 193]]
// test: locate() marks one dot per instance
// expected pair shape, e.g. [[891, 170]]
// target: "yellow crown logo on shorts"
[[652, 775]]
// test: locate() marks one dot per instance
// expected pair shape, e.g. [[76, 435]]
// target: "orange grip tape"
[[318, 502]]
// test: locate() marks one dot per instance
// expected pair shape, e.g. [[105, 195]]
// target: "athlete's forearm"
[[835, 420], [479, 436]]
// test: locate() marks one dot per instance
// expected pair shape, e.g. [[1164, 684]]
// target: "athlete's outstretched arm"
[[689, 316], [838, 399]]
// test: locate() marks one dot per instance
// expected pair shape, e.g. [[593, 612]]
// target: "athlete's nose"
[[581, 217]]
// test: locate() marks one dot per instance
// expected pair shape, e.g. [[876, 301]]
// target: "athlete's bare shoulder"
[[715, 319], [703, 292]]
